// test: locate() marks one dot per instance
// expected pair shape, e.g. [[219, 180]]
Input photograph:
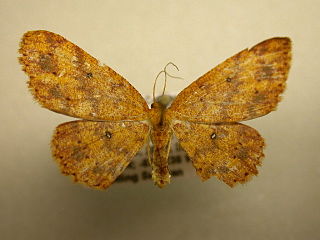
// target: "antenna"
[[165, 79]]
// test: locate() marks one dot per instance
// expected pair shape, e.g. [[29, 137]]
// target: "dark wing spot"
[[108, 134], [264, 73], [259, 98], [268, 71], [243, 154], [223, 169], [98, 170], [55, 92], [46, 63], [78, 153], [89, 75], [260, 49], [213, 136]]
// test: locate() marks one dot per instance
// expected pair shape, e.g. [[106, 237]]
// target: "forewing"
[[66, 79], [245, 86], [231, 152], [96, 153]]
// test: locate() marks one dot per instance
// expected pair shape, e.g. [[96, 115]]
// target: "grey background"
[[136, 39]]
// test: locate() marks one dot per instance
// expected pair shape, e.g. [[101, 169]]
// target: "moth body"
[[160, 136]]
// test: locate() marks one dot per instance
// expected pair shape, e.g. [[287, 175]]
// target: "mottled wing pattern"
[[245, 86], [231, 152], [96, 153], [66, 79]]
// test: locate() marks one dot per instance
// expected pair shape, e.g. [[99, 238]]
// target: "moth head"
[[162, 101]]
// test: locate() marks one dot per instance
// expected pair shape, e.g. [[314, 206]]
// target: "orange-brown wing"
[[231, 152], [66, 79], [245, 86], [96, 153]]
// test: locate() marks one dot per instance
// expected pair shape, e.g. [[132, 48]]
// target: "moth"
[[117, 122]]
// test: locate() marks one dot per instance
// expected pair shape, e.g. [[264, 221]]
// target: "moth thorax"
[[158, 108]]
